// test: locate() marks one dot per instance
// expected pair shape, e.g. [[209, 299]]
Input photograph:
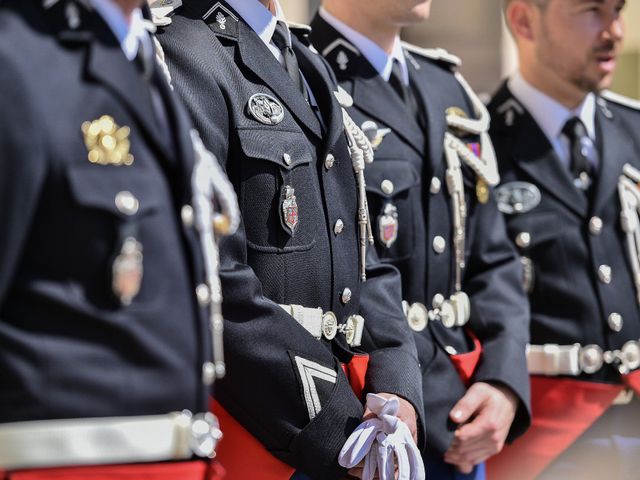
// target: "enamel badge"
[[290, 209], [128, 271], [388, 225], [265, 109], [374, 134], [106, 142]]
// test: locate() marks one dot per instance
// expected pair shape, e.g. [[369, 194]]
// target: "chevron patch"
[[310, 372]]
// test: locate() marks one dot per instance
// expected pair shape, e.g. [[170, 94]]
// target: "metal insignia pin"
[[482, 191], [265, 109], [107, 143], [127, 271], [517, 197], [290, 209], [373, 133], [342, 60], [222, 21], [388, 225]]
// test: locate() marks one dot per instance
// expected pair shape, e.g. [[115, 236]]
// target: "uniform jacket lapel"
[[616, 151], [370, 92], [535, 156], [255, 55], [434, 110]]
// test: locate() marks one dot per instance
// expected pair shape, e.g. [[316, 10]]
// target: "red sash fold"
[[633, 381], [196, 470], [562, 410], [466, 363], [244, 457]]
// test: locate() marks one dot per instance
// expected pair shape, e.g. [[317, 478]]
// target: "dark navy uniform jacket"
[[570, 302], [68, 346], [410, 159], [217, 70]]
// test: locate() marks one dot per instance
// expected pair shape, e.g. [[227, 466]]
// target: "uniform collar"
[[549, 114], [259, 18], [128, 32], [381, 61]]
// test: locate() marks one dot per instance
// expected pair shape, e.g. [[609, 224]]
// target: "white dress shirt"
[[551, 116], [381, 61], [129, 32]]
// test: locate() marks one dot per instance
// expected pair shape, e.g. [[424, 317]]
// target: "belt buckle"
[[352, 330], [630, 356]]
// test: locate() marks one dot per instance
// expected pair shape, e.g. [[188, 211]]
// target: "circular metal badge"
[[517, 197], [591, 359], [329, 325], [447, 314], [265, 109], [631, 355]]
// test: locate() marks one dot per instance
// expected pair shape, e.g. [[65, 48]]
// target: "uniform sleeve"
[[499, 309], [393, 362], [22, 170], [282, 385]]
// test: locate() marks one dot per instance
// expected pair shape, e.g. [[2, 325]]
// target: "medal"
[[482, 191], [290, 209], [127, 271], [388, 225]]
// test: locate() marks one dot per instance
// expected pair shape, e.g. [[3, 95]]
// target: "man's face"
[[398, 12], [579, 40]]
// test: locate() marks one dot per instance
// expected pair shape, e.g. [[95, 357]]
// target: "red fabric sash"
[[562, 410], [633, 381], [466, 363], [196, 470], [244, 457]]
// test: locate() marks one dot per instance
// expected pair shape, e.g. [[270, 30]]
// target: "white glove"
[[381, 442]]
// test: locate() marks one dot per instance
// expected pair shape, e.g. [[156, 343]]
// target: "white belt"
[[325, 324], [454, 312], [103, 441], [552, 359]]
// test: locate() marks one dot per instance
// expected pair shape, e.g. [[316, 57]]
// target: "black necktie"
[[282, 39], [584, 154], [405, 92]]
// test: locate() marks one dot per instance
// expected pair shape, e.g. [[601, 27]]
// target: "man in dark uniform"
[[296, 269], [435, 219], [568, 154], [106, 348]]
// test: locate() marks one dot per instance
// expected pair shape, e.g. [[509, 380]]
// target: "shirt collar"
[[259, 18], [549, 114], [128, 32], [380, 60]]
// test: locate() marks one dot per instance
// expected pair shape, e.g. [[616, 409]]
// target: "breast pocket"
[[114, 226], [279, 194], [393, 186]]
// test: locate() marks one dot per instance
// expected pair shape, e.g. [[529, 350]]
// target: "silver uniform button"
[[338, 227], [604, 274], [595, 225], [591, 359], [387, 187], [439, 244], [329, 161], [127, 203], [187, 216], [436, 184], [208, 373], [203, 294], [615, 322], [523, 240], [450, 350], [346, 296], [287, 158]]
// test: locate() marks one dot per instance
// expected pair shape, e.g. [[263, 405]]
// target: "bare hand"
[[485, 415]]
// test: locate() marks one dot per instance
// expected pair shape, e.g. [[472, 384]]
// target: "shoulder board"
[[620, 100], [161, 11], [299, 28], [437, 54]]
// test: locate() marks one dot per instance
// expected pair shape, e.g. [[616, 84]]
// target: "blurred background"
[[474, 31]]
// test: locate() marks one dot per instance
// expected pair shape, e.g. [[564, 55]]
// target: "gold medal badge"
[[107, 143]]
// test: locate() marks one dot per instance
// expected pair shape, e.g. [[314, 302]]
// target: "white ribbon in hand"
[[381, 442]]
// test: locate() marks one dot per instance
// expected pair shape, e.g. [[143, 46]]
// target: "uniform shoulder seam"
[[437, 54], [620, 100]]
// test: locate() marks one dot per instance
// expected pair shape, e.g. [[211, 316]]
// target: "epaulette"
[[301, 31], [161, 11], [620, 100], [436, 54]]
